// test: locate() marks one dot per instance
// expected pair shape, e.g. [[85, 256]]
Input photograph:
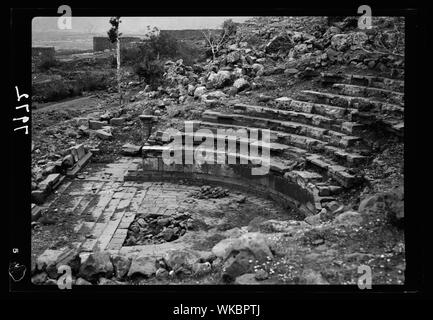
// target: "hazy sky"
[[133, 24]]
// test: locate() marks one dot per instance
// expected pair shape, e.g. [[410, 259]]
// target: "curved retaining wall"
[[238, 176]]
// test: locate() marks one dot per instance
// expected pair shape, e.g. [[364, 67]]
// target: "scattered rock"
[[220, 79], [255, 242], [142, 266], [103, 135], [199, 91], [183, 259], [96, 265], [387, 204], [121, 265], [161, 274], [131, 150], [82, 282], [201, 269], [241, 84], [238, 263], [349, 218], [261, 275], [248, 278], [310, 276]]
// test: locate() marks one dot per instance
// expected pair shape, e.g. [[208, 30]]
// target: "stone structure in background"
[[103, 43]]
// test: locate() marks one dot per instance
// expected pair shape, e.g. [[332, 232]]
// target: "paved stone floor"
[[99, 208]]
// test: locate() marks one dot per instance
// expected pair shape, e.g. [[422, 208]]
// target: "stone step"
[[301, 146], [225, 139], [332, 137], [363, 80], [359, 103], [339, 173], [307, 118], [333, 112], [313, 180], [361, 91], [213, 156]]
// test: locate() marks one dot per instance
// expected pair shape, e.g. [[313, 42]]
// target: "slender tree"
[[114, 36]]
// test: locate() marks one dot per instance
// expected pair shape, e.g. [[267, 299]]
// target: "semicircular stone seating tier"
[[315, 142]]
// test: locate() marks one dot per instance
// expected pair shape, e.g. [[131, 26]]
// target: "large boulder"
[[389, 205], [241, 84], [255, 242], [181, 260], [96, 265], [237, 264], [121, 265], [310, 276], [199, 91], [220, 79], [279, 42], [47, 261], [349, 218], [143, 266], [233, 57], [343, 41]]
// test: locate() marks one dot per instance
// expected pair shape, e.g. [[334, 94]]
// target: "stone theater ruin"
[[269, 151]]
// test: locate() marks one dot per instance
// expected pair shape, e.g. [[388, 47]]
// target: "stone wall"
[[278, 188]]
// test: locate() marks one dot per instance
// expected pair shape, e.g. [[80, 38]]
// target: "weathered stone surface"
[[261, 275], [117, 121], [96, 265], [248, 278], [95, 125], [161, 273], [68, 161], [220, 79], [142, 266], [104, 135], [82, 282], [49, 182], [237, 264], [47, 262], [131, 150], [234, 57], [199, 91], [241, 84], [310, 276], [181, 259], [349, 218], [387, 204], [344, 41], [279, 42], [252, 241], [39, 278], [121, 265], [201, 269]]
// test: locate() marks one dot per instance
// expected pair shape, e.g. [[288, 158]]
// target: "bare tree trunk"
[[118, 71]]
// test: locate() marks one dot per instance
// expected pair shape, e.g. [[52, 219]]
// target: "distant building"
[[103, 43], [187, 34]]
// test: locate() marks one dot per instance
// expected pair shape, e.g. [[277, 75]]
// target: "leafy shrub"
[[160, 46], [47, 63], [151, 71], [93, 81], [56, 90], [229, 27]]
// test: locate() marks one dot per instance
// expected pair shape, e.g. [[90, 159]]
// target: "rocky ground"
[[221, 236]]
